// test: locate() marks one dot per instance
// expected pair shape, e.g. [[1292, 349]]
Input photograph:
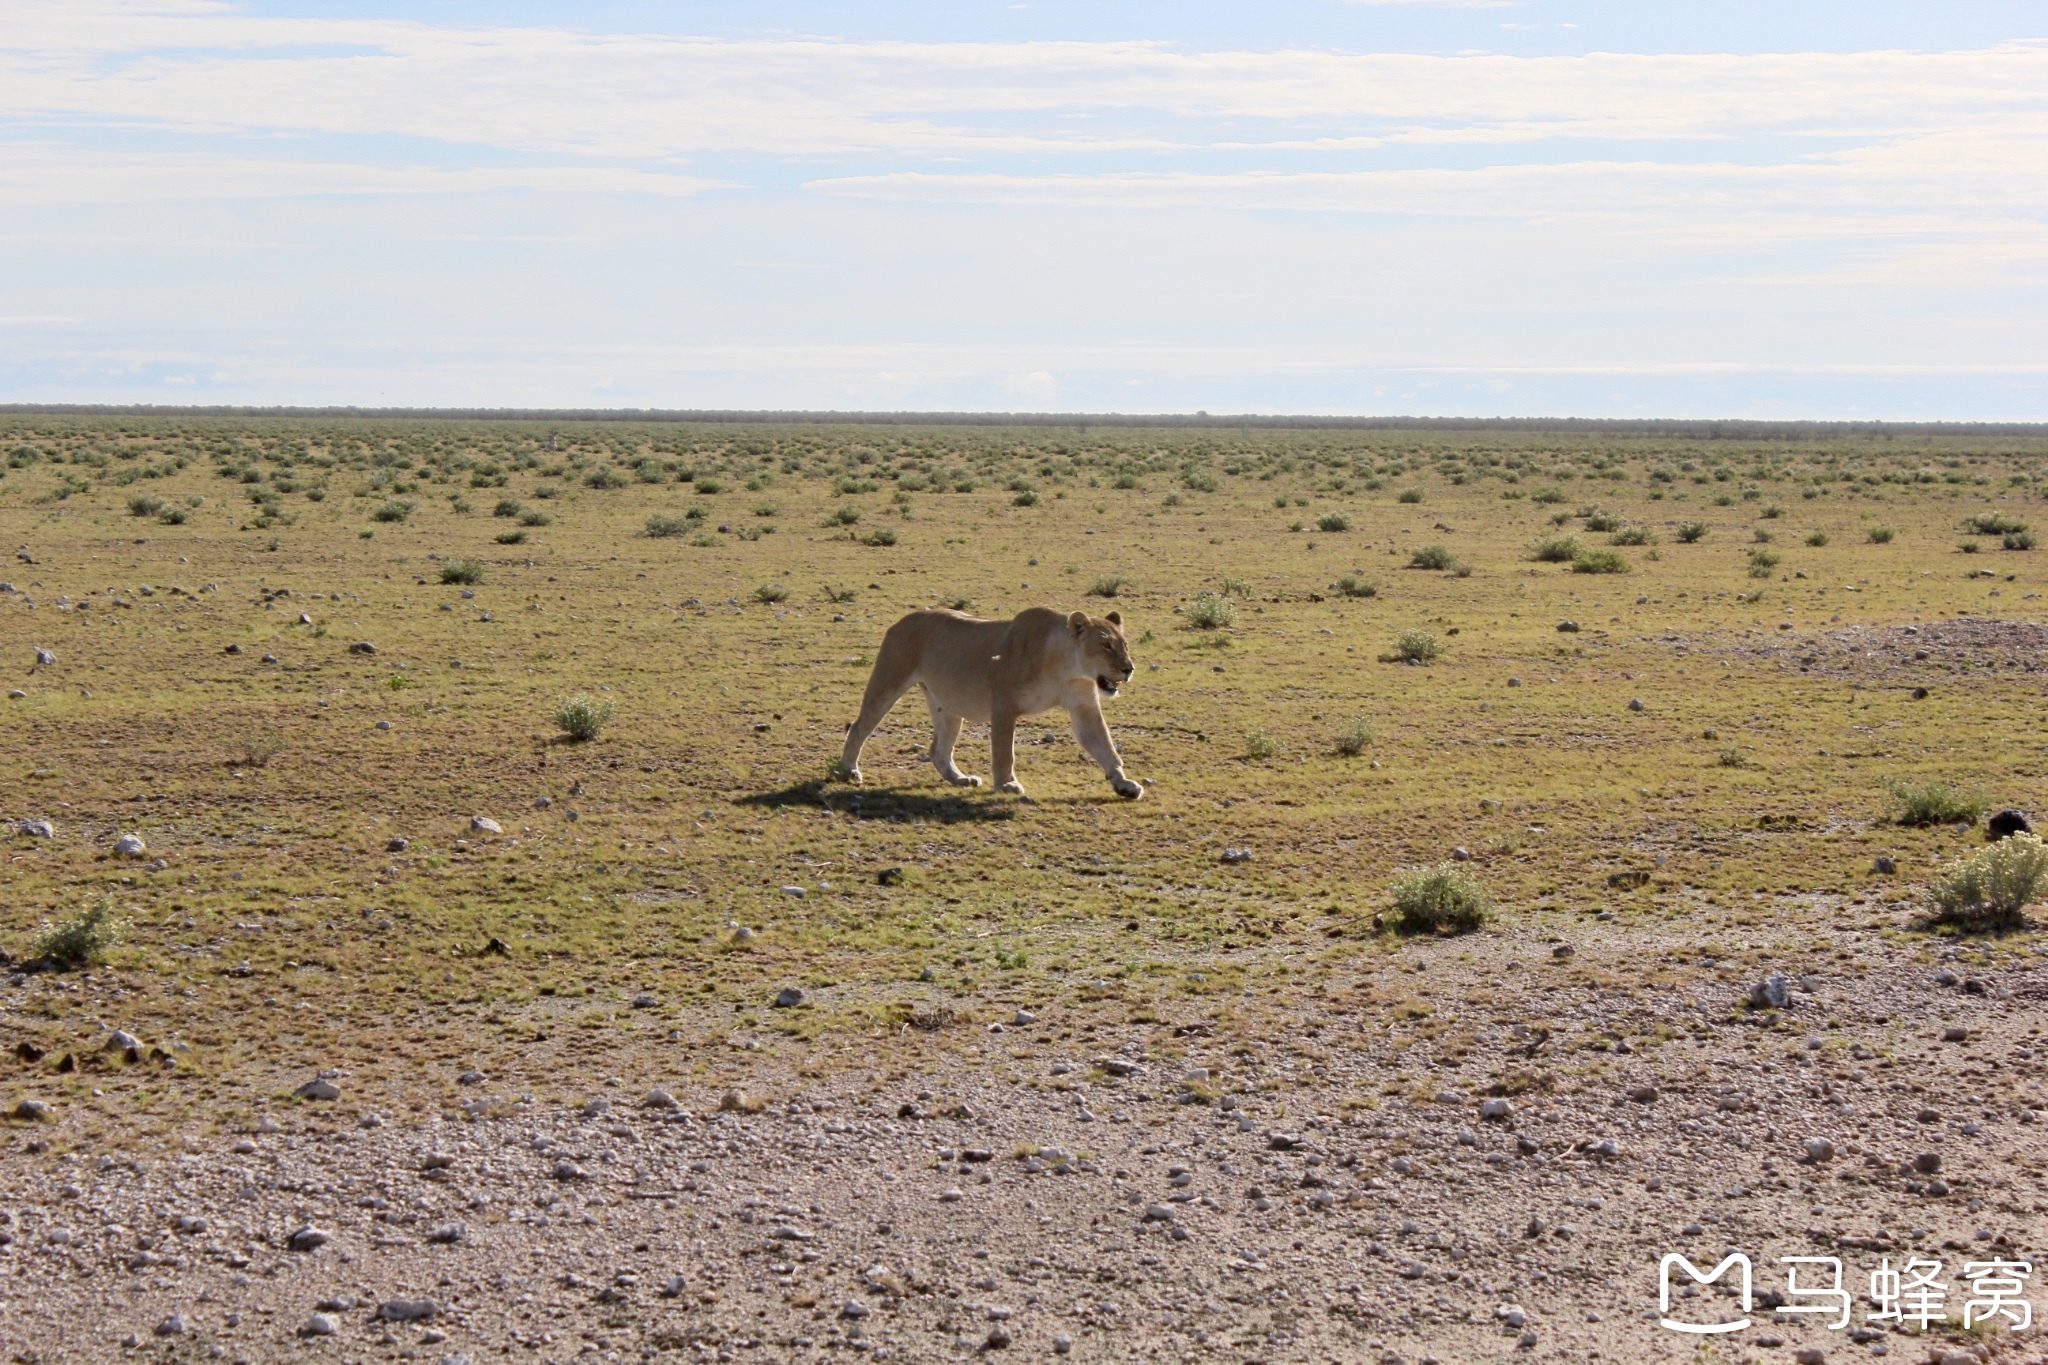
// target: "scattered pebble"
[[319, 1088], [1237, 855], [483, 824], [789, 997], [1773, 992], [130, 846]]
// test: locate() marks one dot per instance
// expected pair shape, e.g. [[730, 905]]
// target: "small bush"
[[1599, 561], [1880, 535], [1333, 522], [582, 717], [142, 505], [2018, 540], [771, 593], [1547, 496], [765, 509], [1602, 521], [1210, 612], [605, 477], [1761, 563], [535, 519], [1933, 803], [833, 594], [1991, 524], [511, 537], [1260, 745], [174, 516], [1969, 547], [1692, 532], [1555, 550], [83, 941], [1417, 645], [1445, 899], [394, 510], [462, 571], [1354, 739], [507, 507], [1761, 536], [1028, 498], [1433, 557], [843, 516], [958, 602], [1989, 889], [709, 486], [1351, 585], [1236, 587], [884, 536], [1773, 512], [1410, 495], [1633, 535], [1817, 539], [662, 527], [1107, 586]]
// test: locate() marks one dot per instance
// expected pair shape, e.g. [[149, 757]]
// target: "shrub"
[[1445, 899], [1773, 512], [1933, 803], [843, 516], [1991, 887], [1761, 562], [1555, 549], [1410, 495], [511, 537], [884, 536], [1236, 587], [394, 510], [1692, 532], [261, 745], [174, 516], [1351, 585], [1109, 585], [764, 509], [771, 593], [1969, 547], [1433, 557], [1211, 612], [1599, 561], [82, 941], [1634, 535], [142, 505], [1602, 521], [1761, 536], [1817, 539], [1333, 522], [2018, 540], [661, 526], [462, 571], [1417, 645], [582, 717], [1547, 496], [959, 602], [507, 507], [709, 486], [1260, 745], [1354, 739], [535, 519], [1028, 498], [1991, 524], [605, 477], [833, 594], [1880, 535]]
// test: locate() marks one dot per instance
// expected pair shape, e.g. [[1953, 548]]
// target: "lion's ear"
[[1114, 618], [1077, 621]]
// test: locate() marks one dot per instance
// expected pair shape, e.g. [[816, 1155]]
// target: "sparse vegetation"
[[1762, 563], [768, 594], [1692, 532], [661, 526], [1555, 550], [1109, 585], [1333, 522], [1211, 612], [1354, 739], [1444, 899], [1989, 889], [879, 537], [2017, 540], [393, 511], [583, 717], [1818, 539], [1410, 495], [1260, 746], [462, 571], [1599, 561], [1432, 557], [1880, 535], [84, 940], [1351, 585], [1417, 646], [1631, 535], [1993, 524]]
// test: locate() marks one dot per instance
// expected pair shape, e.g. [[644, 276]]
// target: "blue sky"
[[1529, 207]]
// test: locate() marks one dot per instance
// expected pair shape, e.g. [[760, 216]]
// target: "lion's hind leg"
[[895, 671], [946, 734]]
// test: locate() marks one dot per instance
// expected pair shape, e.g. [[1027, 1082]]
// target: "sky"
[[1596, 208]]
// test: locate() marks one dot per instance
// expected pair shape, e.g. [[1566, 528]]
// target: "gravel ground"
[[1161, 1200]]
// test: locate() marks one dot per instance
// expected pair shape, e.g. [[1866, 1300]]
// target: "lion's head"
[[1101, 651]]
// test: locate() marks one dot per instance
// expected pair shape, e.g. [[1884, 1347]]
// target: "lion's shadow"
[[885, 804]]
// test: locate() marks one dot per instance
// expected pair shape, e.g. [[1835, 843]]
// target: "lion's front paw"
[[846, 774], [1013, 787], [1127, 789]]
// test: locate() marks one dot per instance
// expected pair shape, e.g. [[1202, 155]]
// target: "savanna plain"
[[434, 930]]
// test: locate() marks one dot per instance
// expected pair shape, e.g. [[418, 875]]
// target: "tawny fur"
[[998, 672]]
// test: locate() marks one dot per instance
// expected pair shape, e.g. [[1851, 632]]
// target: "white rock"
[[320, 1325], [45, 657], [1496, 1111], [319, 1088], [483, 824], [120, 1041], [37, 829], [172, 1326], [130, 846], [1819, 1149], [308, 1239], [408, 1310]]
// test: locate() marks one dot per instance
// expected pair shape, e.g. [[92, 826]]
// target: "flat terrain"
[[1061, 1078]]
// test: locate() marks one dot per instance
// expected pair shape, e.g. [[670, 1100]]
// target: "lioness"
[[996, 671]]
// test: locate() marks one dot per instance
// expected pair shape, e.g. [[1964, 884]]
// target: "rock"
[[795, 892], [309, 1238], [397, 844], [1514, 682], [1643, 1094], [320, 1325], [362, 647], [1773, 992], [407, 1310], [743, 935], [1636, 704], [121, 1041], [232, 649], [1819, 1149], [1567, 627], [998, 1337], [853, 1308], [471, 1078], [2005, 824], [1927, 1163], [383, 725], [1607, 1147], [566, 1169], [45, 657], [1955, 1033], [1810, 1355], [483, 824], [1062, 1344], [676, 1287], [319, 1088], [789, 997], [448, 1234], [889, 876], [37, 829], [1926, 1115], [659, 1099], [1117, 1066], [1237, 855], [1024, 1019], [646, 1000], [130, 846], [173, 1326], [1461, 854], [1158, 1213], [270, 658], [1564, 950], [1883, 865]]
